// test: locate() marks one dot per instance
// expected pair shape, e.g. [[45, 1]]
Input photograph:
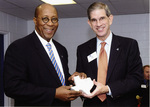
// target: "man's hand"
[[81, 75], [100, 89], [65, 94]]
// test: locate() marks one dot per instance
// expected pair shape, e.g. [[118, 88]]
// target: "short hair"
[[37, 9], [146, 66], [98, 5]]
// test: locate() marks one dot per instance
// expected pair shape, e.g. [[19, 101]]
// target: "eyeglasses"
[[101, 19], [53, 20]]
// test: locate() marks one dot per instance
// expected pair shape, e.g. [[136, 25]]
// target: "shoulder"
[[21, 42], [122, 37], [123, 40], [125, 43], [90, 42], [59, 46]]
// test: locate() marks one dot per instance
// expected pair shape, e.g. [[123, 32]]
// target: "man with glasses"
[[113, 61], [36, 66]]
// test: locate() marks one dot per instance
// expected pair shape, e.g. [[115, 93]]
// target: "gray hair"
[[98, 5]]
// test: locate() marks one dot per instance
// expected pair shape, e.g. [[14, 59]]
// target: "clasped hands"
[[100, 89], [65, 93]]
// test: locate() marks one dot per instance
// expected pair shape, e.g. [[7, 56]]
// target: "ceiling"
[[25, 8]]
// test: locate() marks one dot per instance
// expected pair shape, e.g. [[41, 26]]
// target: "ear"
[[34, 20], [89, 23], [110, 19]]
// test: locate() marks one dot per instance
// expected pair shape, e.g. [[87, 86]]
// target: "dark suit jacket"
[[29, 76], [124, 73]]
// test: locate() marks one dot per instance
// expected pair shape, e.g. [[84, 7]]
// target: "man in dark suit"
[[143, 95], [30, 77], [124, 71]]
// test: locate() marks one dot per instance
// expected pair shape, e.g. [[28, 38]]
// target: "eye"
[[54, 20], [102, 18], [93, 20], [45, 19]]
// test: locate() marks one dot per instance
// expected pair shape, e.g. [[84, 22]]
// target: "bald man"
[[30, 77]]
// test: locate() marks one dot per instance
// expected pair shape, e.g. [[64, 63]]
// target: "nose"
[[98, 23], [50, 23]]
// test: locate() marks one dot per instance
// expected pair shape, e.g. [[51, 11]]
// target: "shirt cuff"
[[109, 93]]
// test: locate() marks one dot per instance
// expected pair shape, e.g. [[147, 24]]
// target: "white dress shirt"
[[107, 46], [44, 43]]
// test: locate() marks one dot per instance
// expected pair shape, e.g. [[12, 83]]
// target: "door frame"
[[7, 101]]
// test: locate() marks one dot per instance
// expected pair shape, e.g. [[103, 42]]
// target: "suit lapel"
[[61, 55], [114, 53], [44, 57], [93, 64]]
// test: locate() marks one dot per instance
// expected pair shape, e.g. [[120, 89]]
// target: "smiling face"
[[100, 23], [46, 30]]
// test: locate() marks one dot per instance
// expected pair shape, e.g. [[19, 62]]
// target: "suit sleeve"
[[16, 82], [132, 71]]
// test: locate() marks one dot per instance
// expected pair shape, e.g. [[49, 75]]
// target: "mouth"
[[49, 30], [100, 29]]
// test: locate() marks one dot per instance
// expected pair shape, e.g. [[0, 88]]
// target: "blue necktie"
[[52, 57]]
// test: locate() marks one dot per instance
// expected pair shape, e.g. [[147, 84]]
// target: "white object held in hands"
[[84, 85]]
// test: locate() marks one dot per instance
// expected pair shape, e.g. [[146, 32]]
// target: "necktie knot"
[[49, 46], [103, 44]]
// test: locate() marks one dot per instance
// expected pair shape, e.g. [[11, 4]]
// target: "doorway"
[[1, 69]]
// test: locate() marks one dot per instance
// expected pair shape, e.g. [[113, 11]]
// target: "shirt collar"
[[43, 41], [108, 39]]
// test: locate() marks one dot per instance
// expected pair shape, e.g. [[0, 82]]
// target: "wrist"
[[106, 89]]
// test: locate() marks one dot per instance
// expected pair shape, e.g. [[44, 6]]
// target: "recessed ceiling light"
[[59, 2]]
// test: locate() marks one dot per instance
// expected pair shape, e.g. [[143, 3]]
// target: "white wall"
[[74, 31], [17, 27], [12, 28]]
